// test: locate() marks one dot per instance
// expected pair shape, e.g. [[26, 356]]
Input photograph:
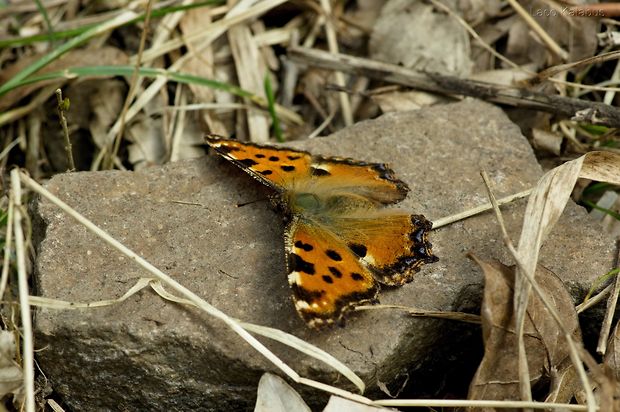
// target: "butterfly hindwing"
[[392, 244], [326, 277]]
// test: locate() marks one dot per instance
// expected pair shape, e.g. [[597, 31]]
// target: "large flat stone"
[[150, 354]]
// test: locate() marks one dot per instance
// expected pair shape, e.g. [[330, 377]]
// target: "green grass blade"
[[271, 106]]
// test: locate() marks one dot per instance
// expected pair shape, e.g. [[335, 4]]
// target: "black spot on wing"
[[274, 158], [359, 249], [297, 264], [287, 168], [259, 156], [227, 149], [335, 272], [289, 157], [305, 246], [356, 276], [328, 279], [265, 172], [333, 255], [247, 162]]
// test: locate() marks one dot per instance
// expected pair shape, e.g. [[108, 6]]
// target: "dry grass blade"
[[458, 316], [457, 403], [26, 316], [210, 34], [479, 209], [280, 336], [61, 304]]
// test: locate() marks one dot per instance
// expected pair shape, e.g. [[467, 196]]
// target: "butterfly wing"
[[299, 171], [326, 277], [392, 244], [273, 166]]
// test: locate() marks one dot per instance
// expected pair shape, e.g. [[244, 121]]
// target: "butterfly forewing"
[[286, 169], [273, 166], [326, 277]]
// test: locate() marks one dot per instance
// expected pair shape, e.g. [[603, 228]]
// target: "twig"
[[580, 110], [132, 89], [479, 209], [63, 105], [612, 302], [332, 44], [24, 306]]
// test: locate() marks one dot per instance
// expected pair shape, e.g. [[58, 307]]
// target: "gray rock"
[[150, 354]]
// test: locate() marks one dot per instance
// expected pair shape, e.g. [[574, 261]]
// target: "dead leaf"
[[574, 34], [275, 395], [419, 37], [497, 376], [408, 100], [10, 371]]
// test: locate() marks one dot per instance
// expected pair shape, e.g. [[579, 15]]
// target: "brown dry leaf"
[[417, 36], [275, 395], [497, 376], [146, 134], [550, 196], [608, 389], [548, 141], [575, 35], [106, 55]]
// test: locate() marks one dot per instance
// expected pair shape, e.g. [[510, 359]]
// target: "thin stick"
[[612, 302], [7, 248], [592, 112], [332, 44], [573, 346], [24, 307], [63, 104], [479, 209], [132, 89], [594, 299]]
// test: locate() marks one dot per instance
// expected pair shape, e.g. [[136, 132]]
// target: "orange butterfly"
[[339, 239]]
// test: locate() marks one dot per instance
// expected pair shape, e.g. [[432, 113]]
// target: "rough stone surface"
[[150, 354]]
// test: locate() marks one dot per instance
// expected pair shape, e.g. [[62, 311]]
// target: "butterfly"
[[340, 239]]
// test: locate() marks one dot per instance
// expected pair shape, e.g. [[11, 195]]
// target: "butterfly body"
[[340, 239]]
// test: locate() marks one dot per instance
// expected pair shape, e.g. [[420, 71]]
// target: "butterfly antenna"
[[251, 201]]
